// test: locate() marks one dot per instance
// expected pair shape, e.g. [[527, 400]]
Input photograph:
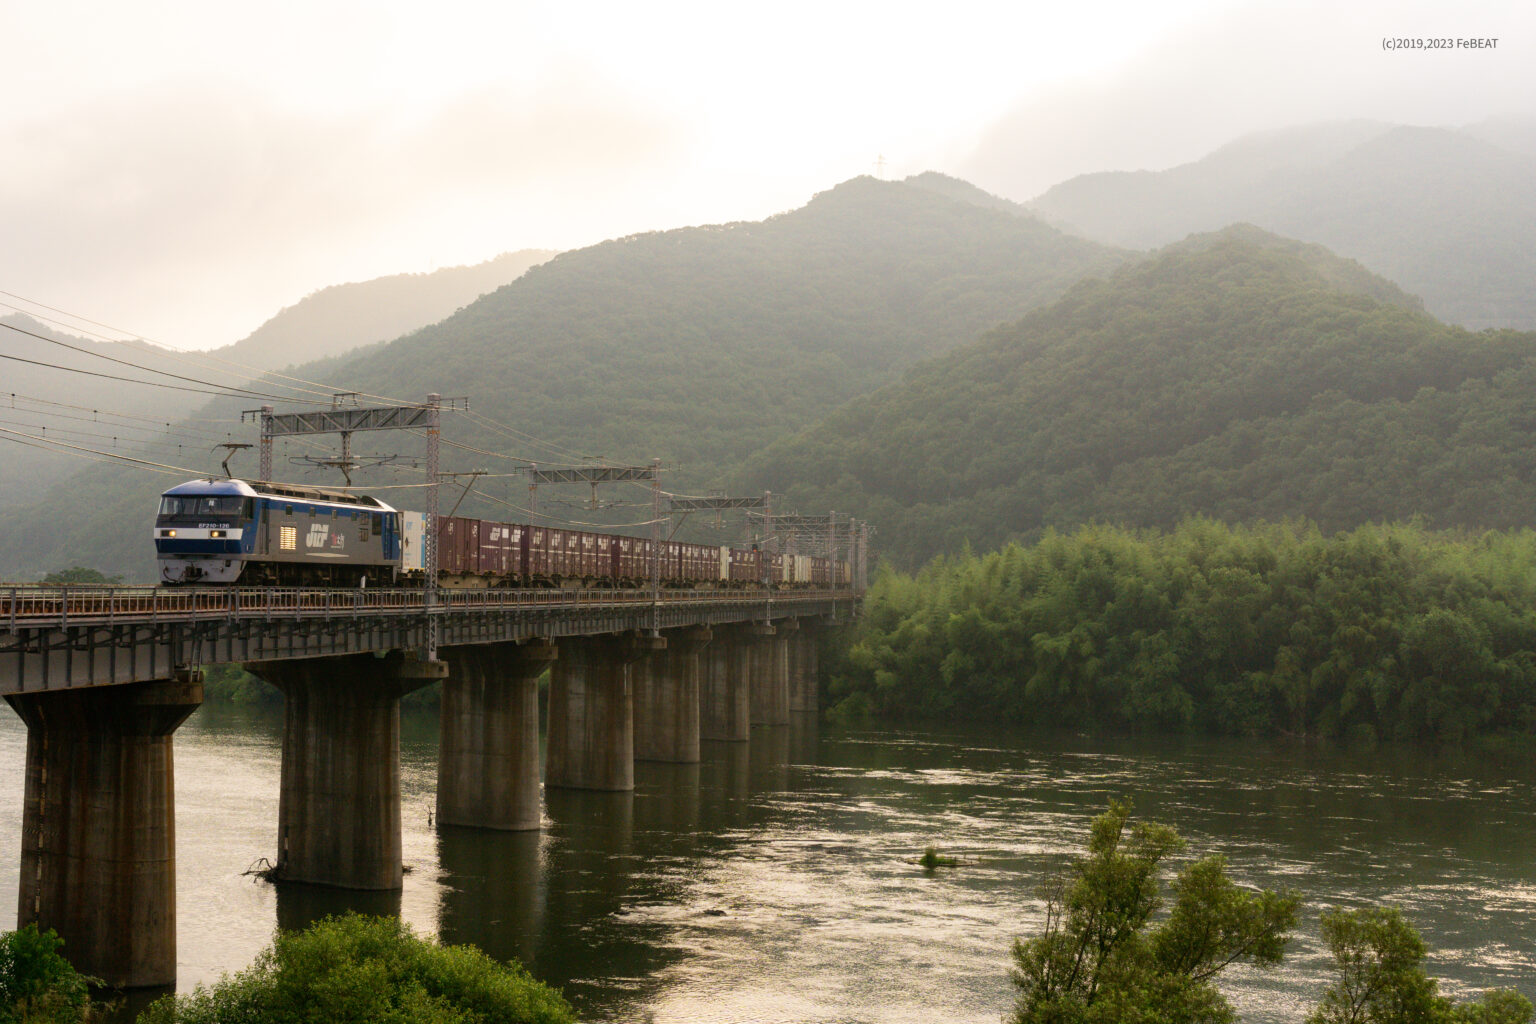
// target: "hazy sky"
[[183, 170]]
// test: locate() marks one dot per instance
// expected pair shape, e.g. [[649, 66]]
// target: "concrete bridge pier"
[[804, 689], [591, 743], [770, 673], [488, 753], [725, 686], [666, 689], [98, 847], [338, 817]]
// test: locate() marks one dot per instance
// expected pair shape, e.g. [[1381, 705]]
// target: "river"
[[774, 881]]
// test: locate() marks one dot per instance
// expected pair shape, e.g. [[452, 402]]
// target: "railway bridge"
[[103, 676]]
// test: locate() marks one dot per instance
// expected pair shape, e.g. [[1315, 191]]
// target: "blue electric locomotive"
[[260, 534]]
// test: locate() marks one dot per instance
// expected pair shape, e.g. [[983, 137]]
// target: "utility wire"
[[230, 390], [140, 444], [159, 467], [162, 427], [161, 432], [170, 349], [16, 397], [132, 380], [515, 434], [331, 391]]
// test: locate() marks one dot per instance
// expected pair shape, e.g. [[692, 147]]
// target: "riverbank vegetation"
[[367, 970], [1106, 955], [38, 985], [1385, 632], [1100, 957]]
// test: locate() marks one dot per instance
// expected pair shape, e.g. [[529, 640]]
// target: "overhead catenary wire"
[[48, 447], [481, 451], [183, 354], [32, 399], [161, 433], [515, 434], [147, 383], [229, 391], [221, 390], [329, 390], [141, 444], [164, 428], [143, 463]]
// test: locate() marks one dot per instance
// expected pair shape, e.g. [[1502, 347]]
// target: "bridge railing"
[[30, 606]]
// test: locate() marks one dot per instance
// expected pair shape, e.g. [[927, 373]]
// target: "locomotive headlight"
[[215, 533], [168, 533]]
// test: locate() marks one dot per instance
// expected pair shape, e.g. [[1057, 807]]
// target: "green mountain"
[[1449, 215], [699, 346], [1237, 375]]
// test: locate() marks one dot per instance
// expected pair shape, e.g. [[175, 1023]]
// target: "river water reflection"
[[773, 882]]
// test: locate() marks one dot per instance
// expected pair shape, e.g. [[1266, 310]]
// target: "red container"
[[696, 564], [588, 548], [458, 546], [536, 561], [500, 547], [559, 553], [602, 567], [630, 559]]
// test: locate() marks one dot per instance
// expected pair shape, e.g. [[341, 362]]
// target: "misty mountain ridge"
[[698, 345], [1448, 214], [342, 317], [328, 323], [1237, 375]]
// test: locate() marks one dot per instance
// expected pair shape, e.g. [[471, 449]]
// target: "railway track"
[[31, 605]]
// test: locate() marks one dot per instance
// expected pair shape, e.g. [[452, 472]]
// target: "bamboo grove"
[[1382, 633]]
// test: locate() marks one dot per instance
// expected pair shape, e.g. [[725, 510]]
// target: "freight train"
[[218, 531]]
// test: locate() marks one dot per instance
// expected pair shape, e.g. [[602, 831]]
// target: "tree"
[[367, 969], [37, 985], [1380, 957], [79, 574], [1100, 960]]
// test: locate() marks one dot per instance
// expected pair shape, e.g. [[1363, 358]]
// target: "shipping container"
[[458, 549], [413, 528], [500, 552]]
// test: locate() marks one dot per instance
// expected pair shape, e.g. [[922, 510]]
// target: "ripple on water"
[[750, 888]]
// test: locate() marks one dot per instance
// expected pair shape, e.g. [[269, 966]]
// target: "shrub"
[[367, 970]]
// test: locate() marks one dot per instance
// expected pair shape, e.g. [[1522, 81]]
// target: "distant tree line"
[[1385, 632]]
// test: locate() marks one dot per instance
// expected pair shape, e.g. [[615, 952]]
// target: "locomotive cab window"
[[201, 505]]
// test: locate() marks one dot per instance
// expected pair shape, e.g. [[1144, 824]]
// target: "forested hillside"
[[699, 346], [1450, 215], [1236, 375]]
